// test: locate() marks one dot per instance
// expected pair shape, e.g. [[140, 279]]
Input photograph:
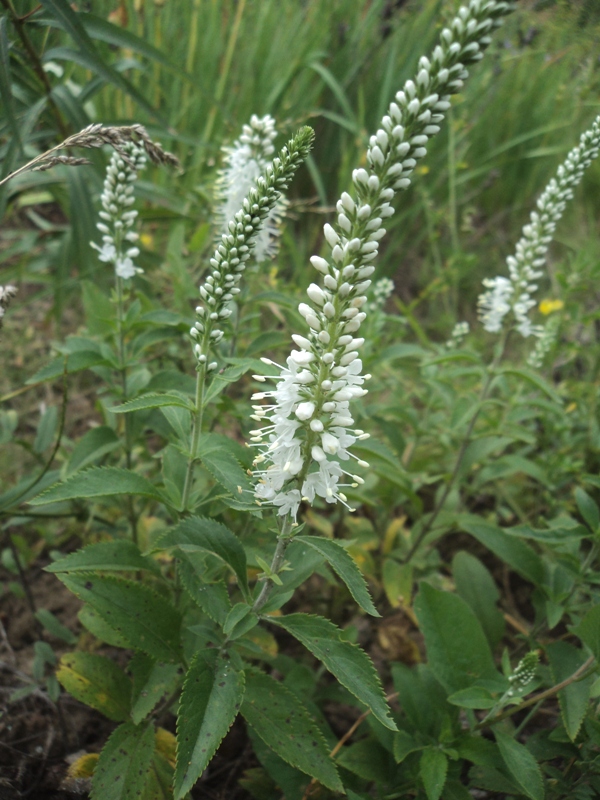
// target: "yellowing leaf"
[[166, 745], [84, 766]]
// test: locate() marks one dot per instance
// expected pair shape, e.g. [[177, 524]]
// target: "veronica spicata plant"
[[199, 628]]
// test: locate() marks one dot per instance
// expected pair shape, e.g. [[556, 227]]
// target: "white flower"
[[6, 295], [524, 271], [326, 373], [245, 161], [117, 216]]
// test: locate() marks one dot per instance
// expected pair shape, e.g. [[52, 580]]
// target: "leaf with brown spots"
[[123, 768]]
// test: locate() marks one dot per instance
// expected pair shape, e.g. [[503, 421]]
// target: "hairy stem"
[[283, 541], [196, 432]]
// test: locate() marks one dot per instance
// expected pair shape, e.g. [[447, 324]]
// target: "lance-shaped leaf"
[[210, 701], [96, 681], [521, 765], [351, 666], [217, 454], [152, 680], [284, 724], [345, 566], [154, 400], [98, 482], [147, 621], [197, 534], [115, 556], [124, 764]]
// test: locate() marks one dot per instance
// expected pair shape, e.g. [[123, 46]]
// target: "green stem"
[[196, 432], [452, 210], [283, 541]]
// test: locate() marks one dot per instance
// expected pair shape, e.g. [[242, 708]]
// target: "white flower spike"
[[245, 161], [118, 240], [304, 448], [524, 267]]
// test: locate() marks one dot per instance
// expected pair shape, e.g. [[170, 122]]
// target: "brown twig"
[[349, 733]]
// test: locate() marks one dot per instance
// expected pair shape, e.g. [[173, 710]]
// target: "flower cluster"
[[309, 426], [524, 672], [6, 295], [459, 331], [245, 161], [118, 217], [515, 293], [382, 291], [545, 342], [236, 246]]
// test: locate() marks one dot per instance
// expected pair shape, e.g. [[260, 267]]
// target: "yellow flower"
[[548, 306]]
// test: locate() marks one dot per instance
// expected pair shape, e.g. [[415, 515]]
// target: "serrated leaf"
[[98, 482], [124, 764], [535, 380], [96, 443], [197, 534], [147, 621], [457, 649], [212, 598], [433, 768], [95, 624], [54, 626], [574, 699], [152, 680], [521, 765], [46, 430], [282, 722], [118, 555], [154, 400], [588, 630], [210, 700], [239, 621], [367, 759], [96, 681], [522, 558], [345, 566], [216, 454], [347, 662], [74, 362]]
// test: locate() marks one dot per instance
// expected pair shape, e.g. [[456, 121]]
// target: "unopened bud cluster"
[[117, 215], [236, 246], [6, 295], [545, 342], [515, 293], [524, 672], [460, 330], [310, 427], [245, 161]]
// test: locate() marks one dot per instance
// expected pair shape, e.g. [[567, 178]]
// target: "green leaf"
[[433, 769], [46, 430], [222, 379], [521, 765], [54, 626], [152, 680], [70, 22], [588, 509], [588, 630], [123, 767], [118, 555], [98, 482], [345, 566], [535, 380], [347, 662], [147, 621], [92, 446], [212, 598], [573, 699], [240, 620], [196, 534], [216, 455], [473, 697], [457, 650], [6, 81], [67, 364], [522, 558], [154, 400], [404, 745], [95, 624], [477, 588], [282, 722], [96, 681], [367, 759], [210, 700]]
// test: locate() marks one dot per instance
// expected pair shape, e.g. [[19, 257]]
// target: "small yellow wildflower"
[[548, 306]]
